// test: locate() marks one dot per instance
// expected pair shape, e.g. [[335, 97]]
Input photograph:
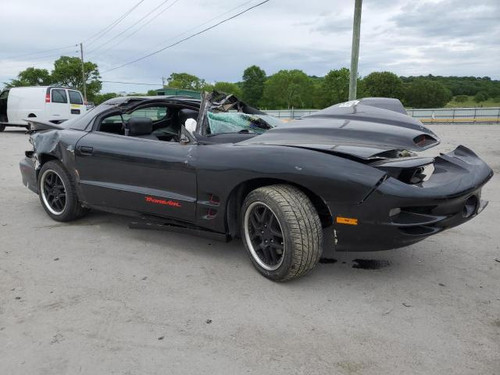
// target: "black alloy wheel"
[[281, 231], [53, 192], [57, 191], [266, 240]]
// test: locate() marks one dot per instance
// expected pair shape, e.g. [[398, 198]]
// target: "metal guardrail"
[[489, 115], [290, 113]]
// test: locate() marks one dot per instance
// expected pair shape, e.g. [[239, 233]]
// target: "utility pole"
[[356, 29], [83, 75]]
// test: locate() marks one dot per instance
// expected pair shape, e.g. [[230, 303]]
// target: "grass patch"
[[470, 103]]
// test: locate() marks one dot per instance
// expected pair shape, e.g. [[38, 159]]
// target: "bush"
[[423, 93], [383, 84], [461, 98], [481, 96]]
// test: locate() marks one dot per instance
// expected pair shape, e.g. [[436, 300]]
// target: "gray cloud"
[[408, 37], [450, 18]]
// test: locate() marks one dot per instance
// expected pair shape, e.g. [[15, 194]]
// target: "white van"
[[45, 103]]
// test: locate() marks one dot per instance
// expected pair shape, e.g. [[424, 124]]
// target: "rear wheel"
[[57, 192], [2, 128], [281, 231]]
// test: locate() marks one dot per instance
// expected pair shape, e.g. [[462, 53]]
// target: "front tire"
[[281, 231], [57, 193]]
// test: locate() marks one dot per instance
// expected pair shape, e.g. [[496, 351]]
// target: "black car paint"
[[202, 184], [358, 130], [122, 171]]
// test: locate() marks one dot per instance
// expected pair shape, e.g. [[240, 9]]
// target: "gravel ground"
[[95, 297]]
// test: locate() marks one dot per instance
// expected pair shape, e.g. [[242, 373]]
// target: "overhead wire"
[[88, 40], [210, 20], [98, 35], [45, 57], [139, 28], [189, 37], [39, 52], [130, 27], [178, 35], [134, 83]]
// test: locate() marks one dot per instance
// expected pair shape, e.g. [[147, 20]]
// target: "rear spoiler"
[[41, 125]]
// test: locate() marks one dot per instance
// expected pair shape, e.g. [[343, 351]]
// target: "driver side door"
[[135, 174]]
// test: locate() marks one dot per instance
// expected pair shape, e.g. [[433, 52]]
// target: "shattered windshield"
[[237, 122]]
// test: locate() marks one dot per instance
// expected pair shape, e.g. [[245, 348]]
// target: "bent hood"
[[362, 130], [38, 125]]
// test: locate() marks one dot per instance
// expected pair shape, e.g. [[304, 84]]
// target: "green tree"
[[31, 77], [481, 96], [101, 98], [68, 72], [289, 88], [424, 93], [461, 98], [252, 87], [384, 84], [228, 88], [334, 88], [186, 81]]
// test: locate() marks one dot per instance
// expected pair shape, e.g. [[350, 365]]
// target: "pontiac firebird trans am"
[[220, 168]]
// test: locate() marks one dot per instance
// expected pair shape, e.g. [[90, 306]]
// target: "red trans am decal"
[[163, 202]]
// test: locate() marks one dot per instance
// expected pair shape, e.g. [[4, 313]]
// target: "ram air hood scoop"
[[353, 128]]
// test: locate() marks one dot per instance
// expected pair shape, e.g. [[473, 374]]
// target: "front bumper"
[[398, 214], [28, 173]]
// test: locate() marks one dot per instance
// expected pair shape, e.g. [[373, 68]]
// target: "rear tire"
[[2, 128], [57, 193], [281, 231]]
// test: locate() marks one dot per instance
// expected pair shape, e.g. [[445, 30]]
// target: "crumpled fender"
[[45, 143]]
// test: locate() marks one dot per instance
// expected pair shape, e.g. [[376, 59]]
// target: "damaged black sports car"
[[221, 168]]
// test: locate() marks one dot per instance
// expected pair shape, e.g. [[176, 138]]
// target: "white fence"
[[489, 115]]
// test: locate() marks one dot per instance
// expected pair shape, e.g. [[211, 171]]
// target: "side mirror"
[[191, 125]]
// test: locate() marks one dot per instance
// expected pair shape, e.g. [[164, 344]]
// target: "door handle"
[[86, 150]]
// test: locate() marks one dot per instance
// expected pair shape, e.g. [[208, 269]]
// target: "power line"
[[40, 52], [189, 37], [49, 56], [95, 37], [105, 30], [133, 83], [131, 26], [210, 20], [183, 33], [139, 28]]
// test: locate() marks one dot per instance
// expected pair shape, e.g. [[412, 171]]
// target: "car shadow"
[[13, 131], [333, 266]]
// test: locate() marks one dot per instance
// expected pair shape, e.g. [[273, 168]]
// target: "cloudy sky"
[[408, 37]]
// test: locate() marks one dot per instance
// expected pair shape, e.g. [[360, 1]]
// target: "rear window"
[[154, 113], [59, 96], [75, 97]]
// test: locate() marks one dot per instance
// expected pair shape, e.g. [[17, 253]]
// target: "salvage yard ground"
[[94, 297]]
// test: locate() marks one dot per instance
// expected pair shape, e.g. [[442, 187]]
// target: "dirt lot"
[[94, 297]]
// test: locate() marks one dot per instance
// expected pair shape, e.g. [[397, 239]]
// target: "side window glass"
[[113, 124], [154, 113], [75, 97], [59, 96]]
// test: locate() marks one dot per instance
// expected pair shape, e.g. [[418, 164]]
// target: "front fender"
[[221, 168]]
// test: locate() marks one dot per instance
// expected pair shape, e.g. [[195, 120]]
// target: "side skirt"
[[178, 228], [159, 223]]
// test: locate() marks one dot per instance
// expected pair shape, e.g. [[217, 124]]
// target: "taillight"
[[47, 98]]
